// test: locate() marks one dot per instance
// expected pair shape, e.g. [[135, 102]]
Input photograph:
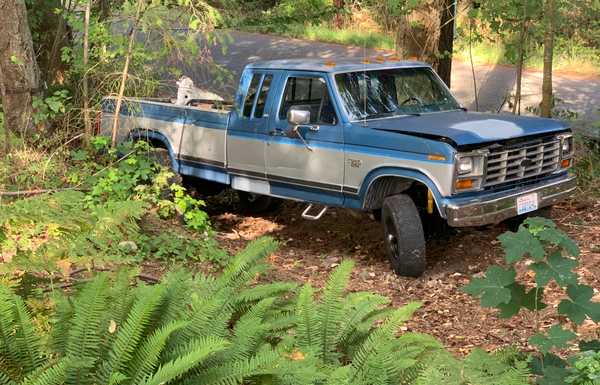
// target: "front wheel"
[[404, 236]]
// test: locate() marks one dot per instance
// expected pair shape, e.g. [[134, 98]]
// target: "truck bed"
[[196, 133]]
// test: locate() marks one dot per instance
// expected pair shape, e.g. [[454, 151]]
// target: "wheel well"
[[148, 136], [393, 185], [384, 187]]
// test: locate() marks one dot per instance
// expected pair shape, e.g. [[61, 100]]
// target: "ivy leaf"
[[580, 305], [520, 298], [558, 268], [537, 224], [558, 238], [557, 338], [517, 245], [493, 289]]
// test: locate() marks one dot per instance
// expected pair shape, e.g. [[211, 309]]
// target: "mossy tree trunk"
[[20, 73]]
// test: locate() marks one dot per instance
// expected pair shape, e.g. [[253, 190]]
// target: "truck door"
[[308, 165], [248, 132]]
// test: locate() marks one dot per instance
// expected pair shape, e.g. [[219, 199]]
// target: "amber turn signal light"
[[464, 184], [565, 163]]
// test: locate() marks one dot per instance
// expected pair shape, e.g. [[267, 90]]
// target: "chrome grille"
[[508, 164]]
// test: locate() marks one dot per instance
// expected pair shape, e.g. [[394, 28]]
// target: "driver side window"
[[308, 93]]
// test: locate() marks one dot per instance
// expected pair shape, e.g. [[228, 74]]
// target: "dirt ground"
[[310, 250]]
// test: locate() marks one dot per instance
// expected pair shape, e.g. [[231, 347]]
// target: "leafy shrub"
[[38, 232], [552, 257], [585, 369]]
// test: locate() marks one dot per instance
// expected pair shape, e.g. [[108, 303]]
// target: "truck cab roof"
[[336, 66]]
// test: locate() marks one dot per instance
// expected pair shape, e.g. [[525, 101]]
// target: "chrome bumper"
[[494, 209]]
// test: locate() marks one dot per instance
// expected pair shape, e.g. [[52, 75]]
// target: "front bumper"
[[494, 208]]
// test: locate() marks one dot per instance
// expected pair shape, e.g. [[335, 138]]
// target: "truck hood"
[[468, 129]]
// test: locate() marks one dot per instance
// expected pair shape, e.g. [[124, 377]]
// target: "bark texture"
[[20, 73], [446, 41], [550, 14]]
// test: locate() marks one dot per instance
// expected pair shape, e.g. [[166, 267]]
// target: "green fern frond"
[[27, 340], [130, 333], [245, 265], [250, 331], [84, 330], [53, 375], [234, 373], [308, 327], [382, 335], [260, 292], [9, 352], [330, 314], [6, 380], [147, 357], [203, 348], [358, 307]]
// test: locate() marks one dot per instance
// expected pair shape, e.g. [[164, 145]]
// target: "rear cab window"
[[256, 98]]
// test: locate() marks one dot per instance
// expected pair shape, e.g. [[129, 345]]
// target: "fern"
[[28, 342], [128, 337], [147, 357], [201, 349], [83, 339], [331, 310]]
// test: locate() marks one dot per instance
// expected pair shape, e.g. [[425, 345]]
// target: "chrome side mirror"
[[298, 117]]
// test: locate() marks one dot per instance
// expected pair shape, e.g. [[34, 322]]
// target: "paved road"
[[494, 82]]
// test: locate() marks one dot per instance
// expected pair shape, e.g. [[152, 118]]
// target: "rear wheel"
[[404, 236], [258, 204]]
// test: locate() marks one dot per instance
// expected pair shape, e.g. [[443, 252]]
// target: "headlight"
[[566, 146], [470, 169], [465, 165]]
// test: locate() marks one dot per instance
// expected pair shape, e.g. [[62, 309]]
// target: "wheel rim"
[[390, 238]]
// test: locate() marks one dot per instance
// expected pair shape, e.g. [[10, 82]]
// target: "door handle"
[[311, 127]]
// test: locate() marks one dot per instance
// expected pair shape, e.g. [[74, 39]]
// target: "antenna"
[[365, 61]]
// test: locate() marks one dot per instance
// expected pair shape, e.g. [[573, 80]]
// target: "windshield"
[[393, 92]]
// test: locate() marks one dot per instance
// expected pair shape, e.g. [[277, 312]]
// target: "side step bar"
[[306, 213]]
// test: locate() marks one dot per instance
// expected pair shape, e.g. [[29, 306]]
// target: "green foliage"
[[53, 232], [478, 368], [586, 369], [552, 258], [50, 107], [228, 330]]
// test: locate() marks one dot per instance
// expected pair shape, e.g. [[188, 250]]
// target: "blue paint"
[[468, 128], [307, 194]]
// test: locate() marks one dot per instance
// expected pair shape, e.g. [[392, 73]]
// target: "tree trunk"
[[86, 49], [125, 74], [520, 61], [338, 18], [20, 73], [446, 40], [549, 15]]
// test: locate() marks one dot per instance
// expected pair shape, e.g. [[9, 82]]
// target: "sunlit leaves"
[[557, 337], [579, 305], [493, 289]]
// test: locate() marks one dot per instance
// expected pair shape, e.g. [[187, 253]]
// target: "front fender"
[[404, 173]]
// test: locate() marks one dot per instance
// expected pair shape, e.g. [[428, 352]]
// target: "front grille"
[[509, 164]]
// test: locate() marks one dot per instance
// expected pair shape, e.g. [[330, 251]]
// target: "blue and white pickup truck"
[[383, 136]]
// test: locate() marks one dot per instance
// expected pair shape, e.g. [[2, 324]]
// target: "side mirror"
[[298, 117]]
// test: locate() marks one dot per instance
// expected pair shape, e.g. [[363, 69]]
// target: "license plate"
[[527, 203]]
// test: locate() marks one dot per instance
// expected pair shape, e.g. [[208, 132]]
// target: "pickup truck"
[[384, 136]]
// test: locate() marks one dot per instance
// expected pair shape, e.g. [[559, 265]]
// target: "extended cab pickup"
[[386, 137]]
